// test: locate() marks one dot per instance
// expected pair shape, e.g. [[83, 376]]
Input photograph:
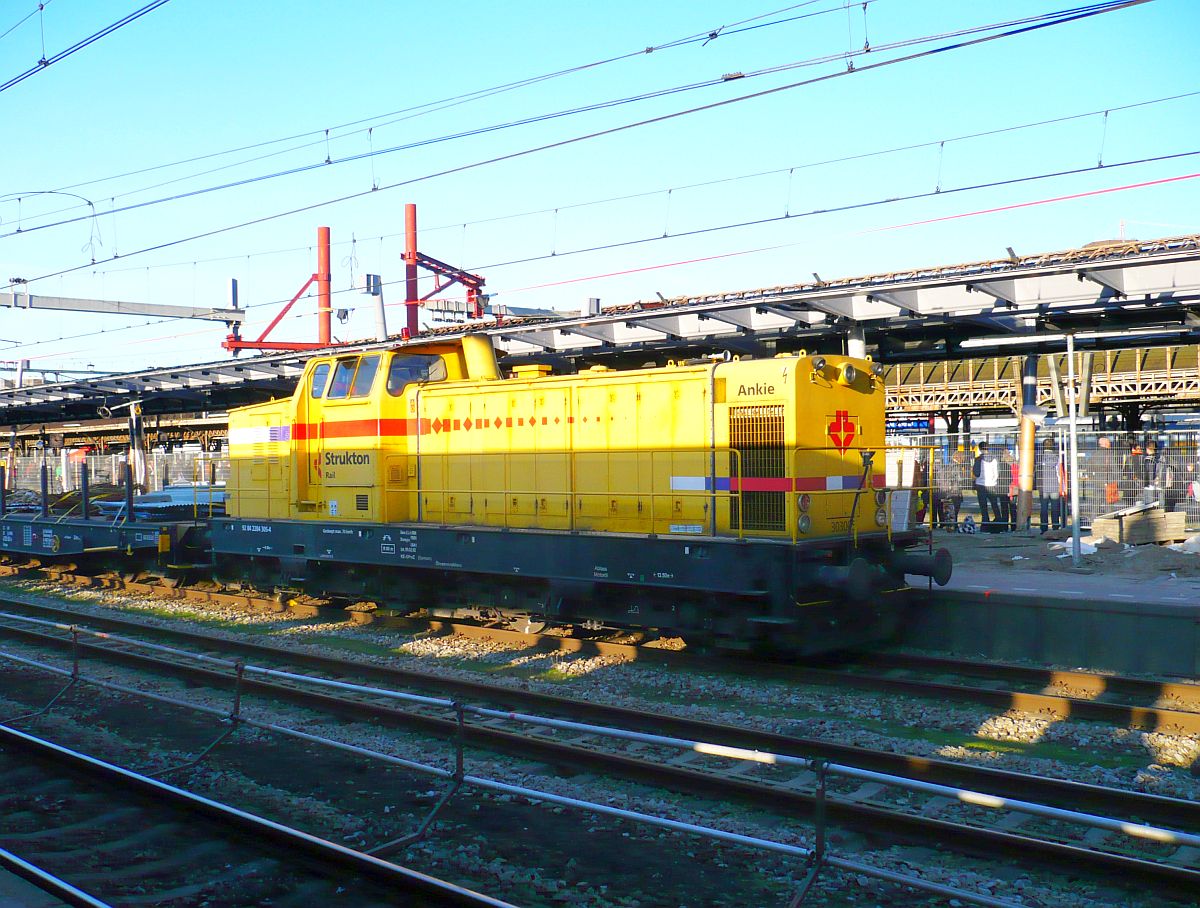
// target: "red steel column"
[[411, 300], [324, 277]]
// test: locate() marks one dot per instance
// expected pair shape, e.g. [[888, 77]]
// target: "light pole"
[[1072, 406]]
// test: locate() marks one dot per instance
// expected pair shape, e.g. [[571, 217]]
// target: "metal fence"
[[1116, 470], [162, 469]]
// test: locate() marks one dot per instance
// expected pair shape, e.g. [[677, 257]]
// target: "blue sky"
[[197, 78]]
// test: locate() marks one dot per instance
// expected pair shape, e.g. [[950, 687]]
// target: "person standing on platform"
[[1157, 477], [1133, 477], [1051, 483], [1013, 459], [986, 470], [920, 484], [1190, 487], [948, 497], [1104, 477]]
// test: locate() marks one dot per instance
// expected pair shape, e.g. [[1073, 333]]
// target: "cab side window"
[[364, 376], [319, 376], [343, 374], [407, 368]]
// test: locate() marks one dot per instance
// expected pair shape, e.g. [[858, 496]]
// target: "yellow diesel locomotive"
[[733, 499]]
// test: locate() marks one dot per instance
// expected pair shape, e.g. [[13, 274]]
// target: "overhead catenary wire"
[[29, 15], [676, 263], [1064, 18], [569, 206], [901, 226], [874, 203], [466, 97], [46, 62], [931, 143], [889, 200], [325, 162]]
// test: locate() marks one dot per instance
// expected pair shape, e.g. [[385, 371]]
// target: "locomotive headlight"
[[804, 502], [818, 363], [880, 498], [881, 518], [847, 375], [804, 524], [877, 370]]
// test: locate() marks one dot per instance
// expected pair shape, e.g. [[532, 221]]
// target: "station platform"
[[1124, 613], [1085, 585]]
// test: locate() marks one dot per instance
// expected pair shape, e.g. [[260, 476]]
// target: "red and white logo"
[[841, 430]]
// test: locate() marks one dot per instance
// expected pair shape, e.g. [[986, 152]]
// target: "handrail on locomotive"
[[896, 505]]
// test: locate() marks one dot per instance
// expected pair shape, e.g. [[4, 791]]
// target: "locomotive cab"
[[340, 448]]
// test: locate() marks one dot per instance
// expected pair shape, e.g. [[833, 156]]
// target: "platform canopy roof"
[[1116, 294]]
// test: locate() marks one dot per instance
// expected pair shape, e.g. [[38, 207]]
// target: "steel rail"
[[983, 839], [1000, 783], [1060, 706], [439, 892], [1154, 718], [1097, 683], [782, 848], [1057, 706], [48, 882], [1167, 836]]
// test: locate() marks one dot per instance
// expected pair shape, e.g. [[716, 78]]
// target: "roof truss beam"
[[118, 307], [666, 325], [741, 319], [1004, 292], [605, 334], [904, 300], [1111, 279]]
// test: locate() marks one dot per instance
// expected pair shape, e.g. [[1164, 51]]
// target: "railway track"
[[1182, 693], [1150, 705], [92, 833], [926, 815], [1172, 696], [1064, 695]]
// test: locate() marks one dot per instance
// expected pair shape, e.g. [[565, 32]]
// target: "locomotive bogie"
[[732, 592]]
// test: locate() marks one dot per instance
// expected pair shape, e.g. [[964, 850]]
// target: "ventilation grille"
[[362, 503], [757, 434]]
